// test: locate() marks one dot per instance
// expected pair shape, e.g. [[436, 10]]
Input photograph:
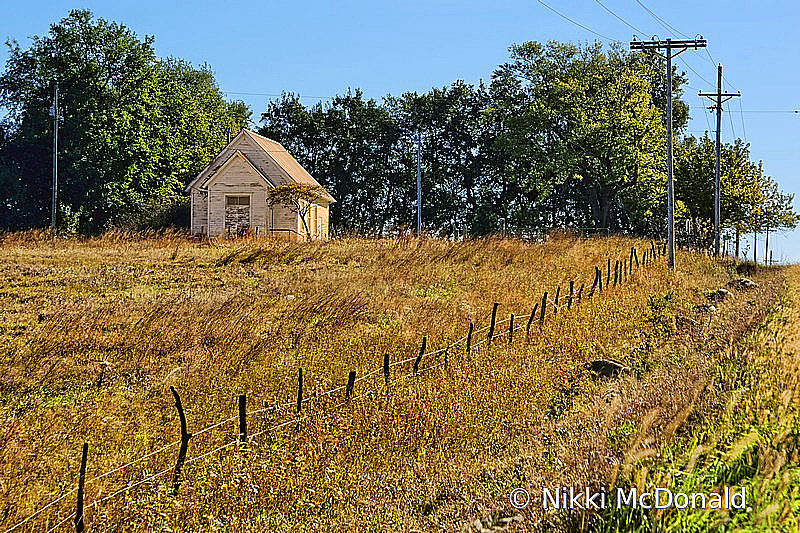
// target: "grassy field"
[[94, 332]]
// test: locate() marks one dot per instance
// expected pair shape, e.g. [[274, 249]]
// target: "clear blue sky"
[[320, 49]]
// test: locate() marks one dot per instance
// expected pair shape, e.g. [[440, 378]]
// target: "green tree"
[[299, 198], [582, 123], [135, 129]]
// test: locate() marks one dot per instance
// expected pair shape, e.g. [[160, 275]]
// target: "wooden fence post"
[[600, 279], [630, 260], [185, 436], [571, 292], [421, 353], [616, 273], [243, 419], [636, 257], [299, 390], [530, 319], [653, 249], [386, 368], [624, 269], [544, 308], [79, 523], [608, 275], [494, 318], [580, 292], [597, 276], [555, 303], [511, 329], [469, 337], [351, 380]]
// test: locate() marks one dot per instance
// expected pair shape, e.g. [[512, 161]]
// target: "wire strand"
[[70, 517], [579, 24]]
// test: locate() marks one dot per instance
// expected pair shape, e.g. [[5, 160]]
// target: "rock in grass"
[[606, 368], [742, 283], [705, 308]]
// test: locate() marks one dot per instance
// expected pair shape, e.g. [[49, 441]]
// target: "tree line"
[[562, 135]]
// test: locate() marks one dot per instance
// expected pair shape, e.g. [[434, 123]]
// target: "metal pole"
[[419, 187], [54, 206], [670, 185], [717, 168]]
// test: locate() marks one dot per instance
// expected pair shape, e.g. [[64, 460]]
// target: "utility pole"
[[54, 207], [669, 45], [718, 98], [419, 187]]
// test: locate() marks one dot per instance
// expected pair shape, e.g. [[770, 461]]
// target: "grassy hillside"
[[94, 332], [745, 433]]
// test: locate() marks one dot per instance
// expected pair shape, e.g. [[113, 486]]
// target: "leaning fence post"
[[636, 257], [580, 292], [79, 524], [544, 307], [571, 292], [511, 329], [555, 303], [469, 337], [386, 368], [421, 353], [597, 276], [600, 279], [351, 380], [243, 419], [185, 436], [491, 325], [530, 319]]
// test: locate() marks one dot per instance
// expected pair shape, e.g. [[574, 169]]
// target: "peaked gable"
[[235, 156], [263, 154]]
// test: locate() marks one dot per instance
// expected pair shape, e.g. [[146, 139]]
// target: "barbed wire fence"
[[622, 272]]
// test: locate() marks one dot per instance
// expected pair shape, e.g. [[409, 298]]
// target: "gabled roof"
[[237, 154], [273, 152]]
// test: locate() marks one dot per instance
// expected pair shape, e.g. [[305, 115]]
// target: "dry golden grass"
[[94, 332]]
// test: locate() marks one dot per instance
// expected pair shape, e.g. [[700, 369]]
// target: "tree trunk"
[[766, 247]]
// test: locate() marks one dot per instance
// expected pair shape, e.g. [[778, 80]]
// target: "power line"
[[667, 26], [663, 22], [693, 70], [779, 111], [706, 115], [628, 24], [579, 24], [730, 116], [278, 95], [744, 131]]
